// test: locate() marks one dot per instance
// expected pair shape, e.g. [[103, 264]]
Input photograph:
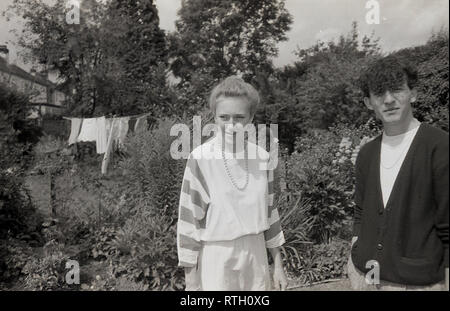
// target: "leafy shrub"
[[317, 207], [14, 254], [128, 217], [333, 258], [323, 261], [85, 202], [315, 175], [150, 170], [108, 281], [147, 246], [321, 172], [297, 225], [17, 214], [433, 85], [82, 199], [146, 242], [19, 221], [47, 272]]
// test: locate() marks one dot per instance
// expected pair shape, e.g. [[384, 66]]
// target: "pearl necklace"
[[227, 169]]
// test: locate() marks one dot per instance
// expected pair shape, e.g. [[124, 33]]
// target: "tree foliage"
[[16, 211], [113, 61], [218, 38], [432, 62], [320, 89], [136, 47], [224, 37]]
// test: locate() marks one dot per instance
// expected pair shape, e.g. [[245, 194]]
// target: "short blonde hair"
[[234, 86]]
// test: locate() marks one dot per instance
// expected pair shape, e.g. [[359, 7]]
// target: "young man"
[[401, 217]]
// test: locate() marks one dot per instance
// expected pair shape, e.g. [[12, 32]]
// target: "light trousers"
[[358, 282]]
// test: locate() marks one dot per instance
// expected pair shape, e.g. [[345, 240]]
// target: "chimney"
[[4, 52]]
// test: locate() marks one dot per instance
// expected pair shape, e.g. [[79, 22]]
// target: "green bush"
[[19, 221], [146, 242], [47, 272], [433, 85], [321, 172], [17, 214], [321, 262], [317, 207], [150, 171], [297, 224], [14, 254], [85, 201], [315, 175], [147, 251], [126, 219], [131, 216]]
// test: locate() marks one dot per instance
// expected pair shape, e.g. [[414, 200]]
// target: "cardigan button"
[[380, 246], [380, 211]]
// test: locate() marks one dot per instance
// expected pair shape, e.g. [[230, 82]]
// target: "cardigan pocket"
[[418, 271]]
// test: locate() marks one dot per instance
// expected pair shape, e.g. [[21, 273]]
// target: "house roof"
[[17, 71]]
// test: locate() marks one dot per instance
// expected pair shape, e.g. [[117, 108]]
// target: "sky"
[[403, 23]]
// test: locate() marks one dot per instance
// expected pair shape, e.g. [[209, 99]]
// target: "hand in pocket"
[[357, 279]]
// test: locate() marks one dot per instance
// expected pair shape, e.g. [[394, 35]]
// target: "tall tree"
[[108, 62], [225, 37], [138, 49], [326, 86], [320, 89], [218, 38], [71, 50], [433, 85]]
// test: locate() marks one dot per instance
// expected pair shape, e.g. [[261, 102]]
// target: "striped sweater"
[[212, 209]]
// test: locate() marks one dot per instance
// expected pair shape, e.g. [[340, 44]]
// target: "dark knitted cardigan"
[[408, 238]]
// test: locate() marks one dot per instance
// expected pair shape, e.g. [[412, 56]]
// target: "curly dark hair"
[[387, 73]]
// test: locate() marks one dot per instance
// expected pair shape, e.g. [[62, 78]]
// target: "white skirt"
[[237, 265]]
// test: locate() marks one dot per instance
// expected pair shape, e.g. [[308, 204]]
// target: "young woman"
[[227, 220]]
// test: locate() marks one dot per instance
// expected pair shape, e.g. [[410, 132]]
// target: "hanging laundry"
[[110, 126], [75, 128], [119, 128], [112, 130], [105, 132], [101, 135], [122, 130], [88, 130], [94, 129]]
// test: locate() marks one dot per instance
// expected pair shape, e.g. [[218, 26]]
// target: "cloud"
[[403, 22], [167, 10], [328, 34]]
